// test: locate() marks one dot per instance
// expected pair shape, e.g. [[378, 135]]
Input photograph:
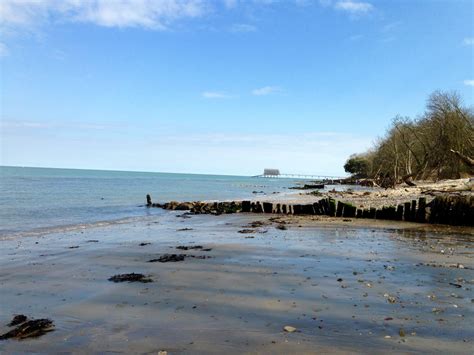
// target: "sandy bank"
[[377, 197]]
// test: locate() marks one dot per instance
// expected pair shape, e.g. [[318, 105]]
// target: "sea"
[[38, 200]]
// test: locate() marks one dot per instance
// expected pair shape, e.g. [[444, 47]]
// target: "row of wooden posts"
[[443, 209], [453, 210]]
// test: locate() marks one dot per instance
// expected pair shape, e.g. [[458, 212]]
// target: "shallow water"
[[34, 199]]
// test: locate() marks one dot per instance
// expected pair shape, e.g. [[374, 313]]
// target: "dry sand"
[[332, 280], [375, 197]]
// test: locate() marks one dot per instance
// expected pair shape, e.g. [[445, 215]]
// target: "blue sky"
[[226, 87]]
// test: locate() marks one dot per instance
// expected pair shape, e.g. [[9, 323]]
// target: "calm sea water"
[[33, 199]]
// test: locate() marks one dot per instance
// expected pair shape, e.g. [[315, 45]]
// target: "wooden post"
[[407, 213], [365, 213], [372, 212], [316, 208], [349, 210], [413, 211], [379, 213], [324, 206], [392, 213], [267, 207], [421, 213], [332, 207], [399, 214]]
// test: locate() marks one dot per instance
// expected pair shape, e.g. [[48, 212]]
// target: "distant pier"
[[275, 173]]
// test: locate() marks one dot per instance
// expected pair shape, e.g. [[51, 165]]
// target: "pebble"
[[289, 329]]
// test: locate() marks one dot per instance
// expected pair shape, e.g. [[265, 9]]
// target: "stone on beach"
[[29, 329], [132, 277], [18, 319], [166, 258]]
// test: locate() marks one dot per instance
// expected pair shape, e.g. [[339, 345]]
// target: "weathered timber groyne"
[[444, 209]]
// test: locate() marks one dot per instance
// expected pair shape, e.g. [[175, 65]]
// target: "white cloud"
[[469, 82], [266, 90], [354, 7], [150, 14], [3, 50], [242, 28], [22, 13], [468, 41], [19, 124], [215, 95]]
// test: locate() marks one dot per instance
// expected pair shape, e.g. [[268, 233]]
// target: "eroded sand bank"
[[375, 197], [346, 286]]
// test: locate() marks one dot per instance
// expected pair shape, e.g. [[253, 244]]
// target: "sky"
[[224, 87]]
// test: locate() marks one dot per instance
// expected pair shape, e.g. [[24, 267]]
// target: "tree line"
[[439, 144]]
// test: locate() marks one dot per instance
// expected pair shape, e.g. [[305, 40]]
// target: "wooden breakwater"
[[445, 209]]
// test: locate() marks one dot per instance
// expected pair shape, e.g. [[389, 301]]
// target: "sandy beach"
[[236, 177], [345, 286]]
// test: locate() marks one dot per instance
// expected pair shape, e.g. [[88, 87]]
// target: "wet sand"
[[353, 286]]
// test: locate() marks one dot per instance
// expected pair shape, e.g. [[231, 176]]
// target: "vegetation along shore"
[[420, 171]]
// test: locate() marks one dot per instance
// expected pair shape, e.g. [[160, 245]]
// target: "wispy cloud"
[[468, 41], [108, 13], [266, 90], [17, 15], [242, 28], [215, 95], [354, 7], [469, 82], [21, 124]]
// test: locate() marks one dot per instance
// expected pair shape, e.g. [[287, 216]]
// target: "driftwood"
[[467, 160], [408, 180]]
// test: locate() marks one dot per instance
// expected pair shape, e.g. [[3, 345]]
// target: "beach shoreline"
[[329, 278]]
